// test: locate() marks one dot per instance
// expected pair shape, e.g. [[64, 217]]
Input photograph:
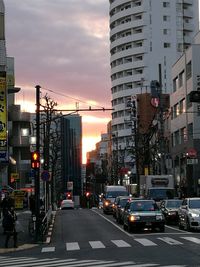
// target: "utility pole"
[[37, 171], [161, 104]]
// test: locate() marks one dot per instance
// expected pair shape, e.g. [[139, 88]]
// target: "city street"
[[87, 237]]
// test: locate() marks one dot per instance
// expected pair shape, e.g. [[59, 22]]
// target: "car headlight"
[[159, 217], [133, 218], [194, 215], [107, 203], [171, 213]]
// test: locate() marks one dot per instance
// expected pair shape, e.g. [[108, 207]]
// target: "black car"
[[120, 203], [169, 208], [142, 214]]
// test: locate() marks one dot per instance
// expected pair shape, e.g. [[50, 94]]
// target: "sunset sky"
[[63, 46]]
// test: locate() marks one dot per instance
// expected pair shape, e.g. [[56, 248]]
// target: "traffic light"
[[35, 160], [69, 195], [194, 96], [87, 194]]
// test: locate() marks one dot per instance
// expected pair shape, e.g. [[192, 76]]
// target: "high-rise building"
[[71, 147], [146, 38]]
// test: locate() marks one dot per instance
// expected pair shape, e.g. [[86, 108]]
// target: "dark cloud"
[[62, 45]]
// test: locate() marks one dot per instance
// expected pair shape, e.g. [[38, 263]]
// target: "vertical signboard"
[[3, 118]]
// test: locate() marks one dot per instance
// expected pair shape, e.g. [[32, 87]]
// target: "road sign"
[[69, 185], [192, 161], [45, 176]]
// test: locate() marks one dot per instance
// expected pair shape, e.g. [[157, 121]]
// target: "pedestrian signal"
[[35, 160]]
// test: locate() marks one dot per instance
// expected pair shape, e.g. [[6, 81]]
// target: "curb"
[[50, 230]]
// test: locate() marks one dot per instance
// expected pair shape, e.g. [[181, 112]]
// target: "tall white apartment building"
[[143, 35]]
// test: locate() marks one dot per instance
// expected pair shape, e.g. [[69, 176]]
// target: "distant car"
[[141, 214], [67, 204], [100, 206], [169, 208], [119, 207], [189, 214]]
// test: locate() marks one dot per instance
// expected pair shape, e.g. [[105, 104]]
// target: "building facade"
[[185, 121], [146, 38]]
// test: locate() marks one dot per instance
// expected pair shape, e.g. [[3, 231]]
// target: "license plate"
[[148, 224]]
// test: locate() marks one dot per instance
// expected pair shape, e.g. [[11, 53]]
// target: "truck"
[[110, 193], [157, 187]]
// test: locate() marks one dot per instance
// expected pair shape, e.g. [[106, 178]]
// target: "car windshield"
[[114, 194], [161, 193], [173, 203], [143, 206], [123, 202], [194, 204]]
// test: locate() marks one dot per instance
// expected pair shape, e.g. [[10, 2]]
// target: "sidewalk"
[[24, 239]]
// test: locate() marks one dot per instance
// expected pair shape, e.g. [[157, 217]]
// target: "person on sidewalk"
[[6, 203], [9, 220]]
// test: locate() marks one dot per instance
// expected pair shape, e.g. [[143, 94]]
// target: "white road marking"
[[121, 243], [96, 244], [145, 242], [48, 249], [192, 239], [72, 246], [170, 241]]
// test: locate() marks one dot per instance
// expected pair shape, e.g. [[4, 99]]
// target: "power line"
[[67, 96]]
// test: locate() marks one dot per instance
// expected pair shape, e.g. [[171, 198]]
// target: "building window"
[[175, 84], [166, 4], [190, 131], [181, 79], [183, 135], [166, 18], [188, 70], [176, 138], [166, 31], [182, 106], [167, 45]]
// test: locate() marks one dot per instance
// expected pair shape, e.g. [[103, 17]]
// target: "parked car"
[[189, 214], [67, 204], [119, 207], [169, 208], [141, 214]]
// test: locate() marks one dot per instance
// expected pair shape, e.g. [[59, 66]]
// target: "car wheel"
[[162, 228], [125, 226], [188, 225], [180, 226], [129, 228]]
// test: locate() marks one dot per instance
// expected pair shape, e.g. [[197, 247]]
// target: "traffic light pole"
[[37, 170]]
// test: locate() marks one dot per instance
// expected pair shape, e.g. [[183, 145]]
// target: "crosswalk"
[[146, 242], [57, 262]]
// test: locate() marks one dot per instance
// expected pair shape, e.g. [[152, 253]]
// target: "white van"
[[111, 192]]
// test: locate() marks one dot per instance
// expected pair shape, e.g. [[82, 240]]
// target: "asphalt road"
[[86, 238]]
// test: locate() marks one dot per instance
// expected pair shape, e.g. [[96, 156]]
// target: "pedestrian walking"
[[6, 203], [9, 220]]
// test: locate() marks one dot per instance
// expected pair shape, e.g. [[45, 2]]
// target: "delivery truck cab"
[[111, 192]]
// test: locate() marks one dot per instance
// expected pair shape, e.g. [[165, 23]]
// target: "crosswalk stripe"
[[38, 262], [145, 242], [72, 246], [124, 264], [96, 244], [192, 239], [121, 243], [73, 263], [170, 241], [48, 249]]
